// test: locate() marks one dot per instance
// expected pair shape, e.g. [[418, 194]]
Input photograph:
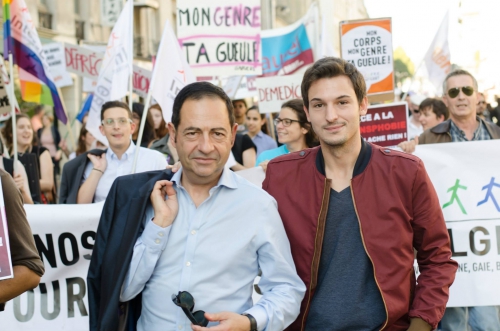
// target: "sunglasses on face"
[[186, 301], [453, 92]]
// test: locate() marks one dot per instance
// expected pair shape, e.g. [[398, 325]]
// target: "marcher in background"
[[461, 98], [240, 108], [85, 142], [244, 152], [160, 126], [256, 124], [414, 126], [27, 265], [50, 138], [44, 167], [149, 133], [36, 119], [18, 174], [354, 213], [481, 109], [210, 236], [88, 177], [294, 132], [432, 112]]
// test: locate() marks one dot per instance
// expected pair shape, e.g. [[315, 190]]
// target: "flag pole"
[[68, 124], [13, 110], [131, 69]]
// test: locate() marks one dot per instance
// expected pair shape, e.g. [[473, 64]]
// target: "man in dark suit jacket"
[[72, 176]]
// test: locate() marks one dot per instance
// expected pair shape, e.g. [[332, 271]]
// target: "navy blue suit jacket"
[[119, 227]]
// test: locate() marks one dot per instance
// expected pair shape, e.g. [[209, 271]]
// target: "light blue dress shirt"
[[271, 154], [214, 252], [263, 142]]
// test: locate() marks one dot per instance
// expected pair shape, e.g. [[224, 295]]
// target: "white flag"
[[113, 81], [437, 59], [171, 72], [326, 47]]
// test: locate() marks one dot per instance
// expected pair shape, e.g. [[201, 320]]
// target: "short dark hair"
[[115, 104], [297, 106], [437, 106], [458, 72], [198, 91], [330, 67], [240, 100]]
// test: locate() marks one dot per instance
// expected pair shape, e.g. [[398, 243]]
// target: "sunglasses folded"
[[186, 301]]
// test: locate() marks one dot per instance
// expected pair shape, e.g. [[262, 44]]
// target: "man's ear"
[[101, 128], [363, 106], [133, 126], [307, 114], [233, 131], [172, 134]]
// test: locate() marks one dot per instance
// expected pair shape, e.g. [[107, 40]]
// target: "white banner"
[[6, 271], [54, 54], [467, 180], [64, 235], [437, 59], [220, 38], [274, 91]]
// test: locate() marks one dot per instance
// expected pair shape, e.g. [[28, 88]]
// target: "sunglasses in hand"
[[186, 301]]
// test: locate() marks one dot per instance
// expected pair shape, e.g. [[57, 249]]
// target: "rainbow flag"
[[21, 39]]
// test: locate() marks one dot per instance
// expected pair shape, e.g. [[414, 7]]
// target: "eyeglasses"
[[453, 92], [110, 122], [186, 301], [285, 121]]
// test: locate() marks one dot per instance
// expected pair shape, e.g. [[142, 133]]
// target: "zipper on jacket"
[[325, 190], [369, 257]]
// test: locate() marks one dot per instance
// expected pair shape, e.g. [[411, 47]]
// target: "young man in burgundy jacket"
[[354, 213]]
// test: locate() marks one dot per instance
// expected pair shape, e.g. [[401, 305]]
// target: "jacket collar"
[[361, 162], [443, 127], [146, 189]]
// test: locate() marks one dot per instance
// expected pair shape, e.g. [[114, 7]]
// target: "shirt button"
[[188, 264], [157, 241], [302, 153], [180, 327], [160, 234], [193, 232]]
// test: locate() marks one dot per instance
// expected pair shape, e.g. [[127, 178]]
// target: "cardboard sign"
[[55, 55], [83, 61], [110, 10], [220, 38], [5, 258], [367, 44], [274, 91], [386, 125]]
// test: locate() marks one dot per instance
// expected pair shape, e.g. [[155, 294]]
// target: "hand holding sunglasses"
[[186, 301], [454, 92]]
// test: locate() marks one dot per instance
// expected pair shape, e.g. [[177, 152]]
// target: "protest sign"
[[220, 38], [110, 10], [55, 55], [141, 80], [64, 236], [367, 44], [84, 61], [247, 88], [4, 99], [468, 187], [232, 85], [287, 50], [386, 124], [5, 259], [274, 91]]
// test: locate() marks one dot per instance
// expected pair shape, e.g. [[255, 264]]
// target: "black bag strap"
[[8, 165]]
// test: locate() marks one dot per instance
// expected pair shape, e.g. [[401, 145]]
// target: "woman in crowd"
[[149, 134], [44, 166], [294, 132], [49, 137], [160, 125], [85, 143], [432, 112], [18, 174], [256, 125]]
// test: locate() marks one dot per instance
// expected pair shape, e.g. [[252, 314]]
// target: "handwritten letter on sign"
[[220, 38]]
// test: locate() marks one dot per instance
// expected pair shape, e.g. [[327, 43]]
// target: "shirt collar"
[[227, 179], [260, 134], [128, 153], [476, 134]]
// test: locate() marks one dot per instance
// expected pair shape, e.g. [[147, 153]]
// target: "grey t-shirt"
[[346, 297]]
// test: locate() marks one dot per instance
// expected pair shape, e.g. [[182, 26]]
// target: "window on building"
[[79, 31], [44, 15]]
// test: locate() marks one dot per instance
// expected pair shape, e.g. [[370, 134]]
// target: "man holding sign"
[[354, 213]]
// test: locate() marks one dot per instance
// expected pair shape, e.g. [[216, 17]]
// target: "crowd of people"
[[333, 248]]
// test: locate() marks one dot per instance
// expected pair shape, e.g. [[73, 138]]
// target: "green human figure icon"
[[454, 196]]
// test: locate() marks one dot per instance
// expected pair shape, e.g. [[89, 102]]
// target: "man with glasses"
[[461, 98], [87, 182], [414, 125], [482, 110]]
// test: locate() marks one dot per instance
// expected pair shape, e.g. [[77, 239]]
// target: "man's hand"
[[19, 180], [99, 162], [165, 210], [227, 322], [263, 164], [418, 324], [409, 146]]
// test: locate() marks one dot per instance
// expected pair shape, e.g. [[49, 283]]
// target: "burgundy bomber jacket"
[[397, 209]]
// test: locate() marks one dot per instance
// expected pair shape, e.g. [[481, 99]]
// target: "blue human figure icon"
[[489, 194]]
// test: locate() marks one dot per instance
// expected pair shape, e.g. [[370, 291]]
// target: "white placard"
[[274, 91], [220, 38], [55, 57]]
